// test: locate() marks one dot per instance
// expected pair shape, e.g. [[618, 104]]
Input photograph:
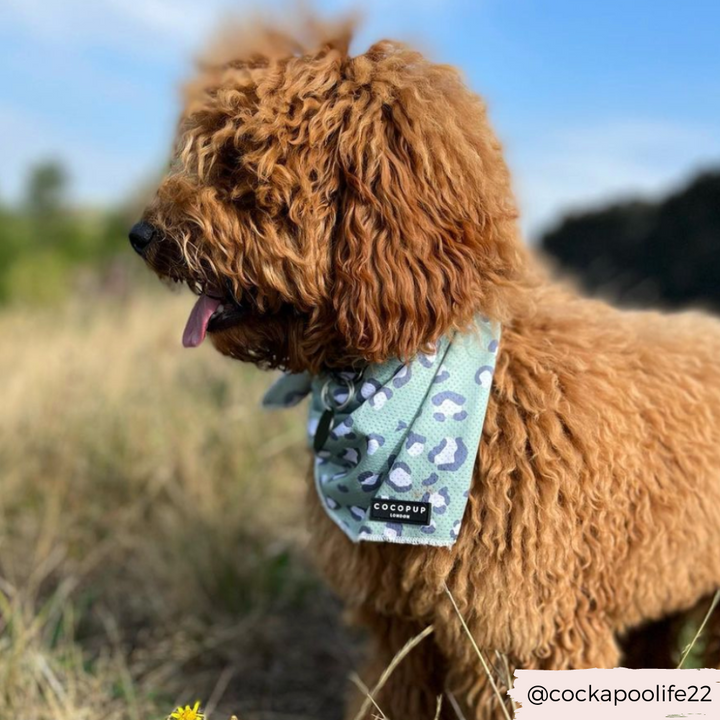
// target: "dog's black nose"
[[141, 235]]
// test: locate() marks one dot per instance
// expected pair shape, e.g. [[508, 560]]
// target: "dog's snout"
[[141, 236]]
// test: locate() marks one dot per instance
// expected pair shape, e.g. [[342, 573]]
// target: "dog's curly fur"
[[362, 207]]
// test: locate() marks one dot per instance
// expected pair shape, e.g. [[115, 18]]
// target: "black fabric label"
[[404, 512]]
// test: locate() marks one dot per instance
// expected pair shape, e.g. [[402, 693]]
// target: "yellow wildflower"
[[187, 713]]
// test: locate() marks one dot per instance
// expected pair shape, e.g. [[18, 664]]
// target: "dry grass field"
[[151, 527]]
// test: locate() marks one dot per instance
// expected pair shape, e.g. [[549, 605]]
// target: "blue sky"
[[593, 100]]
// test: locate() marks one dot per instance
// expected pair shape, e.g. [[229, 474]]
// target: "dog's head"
[[332, 210]]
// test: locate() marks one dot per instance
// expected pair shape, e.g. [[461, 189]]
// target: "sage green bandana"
[[395, 446]]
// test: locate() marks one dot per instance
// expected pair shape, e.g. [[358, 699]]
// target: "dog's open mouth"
[[210, 314]]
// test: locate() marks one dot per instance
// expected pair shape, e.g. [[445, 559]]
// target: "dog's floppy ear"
[[425, 237]]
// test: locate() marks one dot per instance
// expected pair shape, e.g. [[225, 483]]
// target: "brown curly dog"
[[347, 210]]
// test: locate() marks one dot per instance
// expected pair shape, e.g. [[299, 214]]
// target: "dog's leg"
[[413, 688], [587, 644]]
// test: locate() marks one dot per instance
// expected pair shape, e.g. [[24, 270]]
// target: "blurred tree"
[[49, 248], [7, 250], [664, 253], [46, 192]]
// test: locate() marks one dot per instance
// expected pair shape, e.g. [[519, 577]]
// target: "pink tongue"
[[198, 321]]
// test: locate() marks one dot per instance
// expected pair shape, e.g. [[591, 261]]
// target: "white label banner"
[[618, 694]]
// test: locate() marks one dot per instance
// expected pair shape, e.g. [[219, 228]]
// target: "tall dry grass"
[[151, 527]]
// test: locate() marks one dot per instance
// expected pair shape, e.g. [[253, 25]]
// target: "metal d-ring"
[[325, 396]]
